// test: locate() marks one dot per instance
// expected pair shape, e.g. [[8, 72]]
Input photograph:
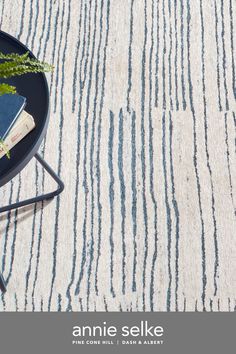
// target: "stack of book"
[[15, 122]]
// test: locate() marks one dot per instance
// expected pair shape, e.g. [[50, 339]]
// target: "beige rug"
[[143, 133]]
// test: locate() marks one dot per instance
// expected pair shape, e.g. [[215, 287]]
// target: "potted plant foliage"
[[16, 65]]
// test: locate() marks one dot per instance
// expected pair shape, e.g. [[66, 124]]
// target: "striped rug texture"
[[143, 133]]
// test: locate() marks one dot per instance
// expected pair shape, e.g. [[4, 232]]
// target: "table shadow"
[[23, 214]]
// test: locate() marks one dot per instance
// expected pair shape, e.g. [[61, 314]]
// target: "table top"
[[34, 87]]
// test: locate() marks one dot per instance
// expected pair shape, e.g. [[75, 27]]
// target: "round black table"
[[35, 88]]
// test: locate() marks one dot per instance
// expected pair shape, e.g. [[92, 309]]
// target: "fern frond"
[[16, 69], [6, 89], [16, 65], [13, 56], [5, 149]]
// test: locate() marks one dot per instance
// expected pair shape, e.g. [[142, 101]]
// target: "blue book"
[[11, 107]]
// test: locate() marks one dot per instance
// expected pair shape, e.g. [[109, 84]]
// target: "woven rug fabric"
[[143, 133]]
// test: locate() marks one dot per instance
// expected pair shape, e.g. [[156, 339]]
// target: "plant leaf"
[[2, 144], [6, 89]]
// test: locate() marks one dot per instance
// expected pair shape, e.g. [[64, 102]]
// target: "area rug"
[[143, 133]]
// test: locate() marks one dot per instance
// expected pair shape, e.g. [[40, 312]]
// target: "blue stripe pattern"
[[143, 133]]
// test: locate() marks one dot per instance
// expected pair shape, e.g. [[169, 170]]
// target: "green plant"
[[16, 65], [3, 146]]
